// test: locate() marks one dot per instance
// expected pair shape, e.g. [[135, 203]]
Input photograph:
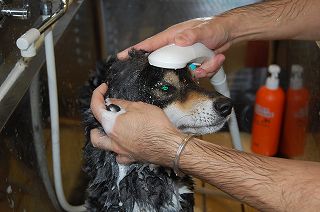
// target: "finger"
[[100, 141], [155, 42], [210, 67], [124, 54], [124, 159], [149, 45], [199, 33], [186, 37], [223, 48], [161, 39], [97, 101]]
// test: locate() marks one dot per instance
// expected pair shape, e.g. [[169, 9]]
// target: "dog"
[[142, 186]]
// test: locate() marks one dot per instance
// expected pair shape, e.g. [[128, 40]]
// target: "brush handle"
[[176, 57]]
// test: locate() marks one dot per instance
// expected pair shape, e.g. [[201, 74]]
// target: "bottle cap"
[[296, 81], [273, 81]]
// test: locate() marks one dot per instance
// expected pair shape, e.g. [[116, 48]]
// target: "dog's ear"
[[120, 71], [102, 69], [124, 76], [96, 78], [139, 57]]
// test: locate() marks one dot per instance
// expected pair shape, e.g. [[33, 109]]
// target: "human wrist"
[[238, 25], [165, 147], [190, 153], [197, 155], [180, 149]]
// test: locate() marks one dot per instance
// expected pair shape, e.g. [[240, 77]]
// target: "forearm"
[[274, 20], [266, 183]]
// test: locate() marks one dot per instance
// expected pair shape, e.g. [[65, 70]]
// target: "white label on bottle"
[[263, 111]]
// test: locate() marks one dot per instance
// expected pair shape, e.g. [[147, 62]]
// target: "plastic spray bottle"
[[267, 117], [296, 115]]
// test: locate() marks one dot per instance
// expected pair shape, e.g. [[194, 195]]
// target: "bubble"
[[9, 189]]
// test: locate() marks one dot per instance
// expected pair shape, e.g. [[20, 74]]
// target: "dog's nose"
[[223, 106]]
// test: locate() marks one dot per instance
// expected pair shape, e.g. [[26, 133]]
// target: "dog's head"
[[191, 108]]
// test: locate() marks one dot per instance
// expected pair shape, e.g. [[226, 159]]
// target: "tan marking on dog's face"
[[192, 99], [172, 79]]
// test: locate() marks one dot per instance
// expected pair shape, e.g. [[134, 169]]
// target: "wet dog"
[[143, 186]]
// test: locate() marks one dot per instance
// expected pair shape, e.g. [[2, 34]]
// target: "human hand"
[[212, 32], [143, 132]]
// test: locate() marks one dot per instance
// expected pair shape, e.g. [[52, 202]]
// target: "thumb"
[[97, 100], [210, 67], [108, 119]]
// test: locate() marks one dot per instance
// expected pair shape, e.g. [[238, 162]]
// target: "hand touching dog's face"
[[191, 108]]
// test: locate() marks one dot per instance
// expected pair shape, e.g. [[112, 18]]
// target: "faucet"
[[18, 13]]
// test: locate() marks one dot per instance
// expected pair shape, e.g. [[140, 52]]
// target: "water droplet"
[[9, 189]]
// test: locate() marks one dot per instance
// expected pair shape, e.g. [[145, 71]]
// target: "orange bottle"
[[296, 116], [268, 115]]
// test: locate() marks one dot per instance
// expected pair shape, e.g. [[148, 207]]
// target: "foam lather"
[[108, 119]]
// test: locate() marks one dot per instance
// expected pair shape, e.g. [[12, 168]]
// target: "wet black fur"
[[133, 79]]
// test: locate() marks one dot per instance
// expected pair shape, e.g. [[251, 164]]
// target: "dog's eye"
[[167, 87], [164, 87]]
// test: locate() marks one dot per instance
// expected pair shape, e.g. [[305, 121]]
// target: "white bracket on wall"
[[26, 42]]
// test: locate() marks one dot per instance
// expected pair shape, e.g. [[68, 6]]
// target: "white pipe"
[[55, 131], [219, 81], [11, 78], [38, 141], [26, 44]]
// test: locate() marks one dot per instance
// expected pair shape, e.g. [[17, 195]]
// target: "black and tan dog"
[[143, 186]]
